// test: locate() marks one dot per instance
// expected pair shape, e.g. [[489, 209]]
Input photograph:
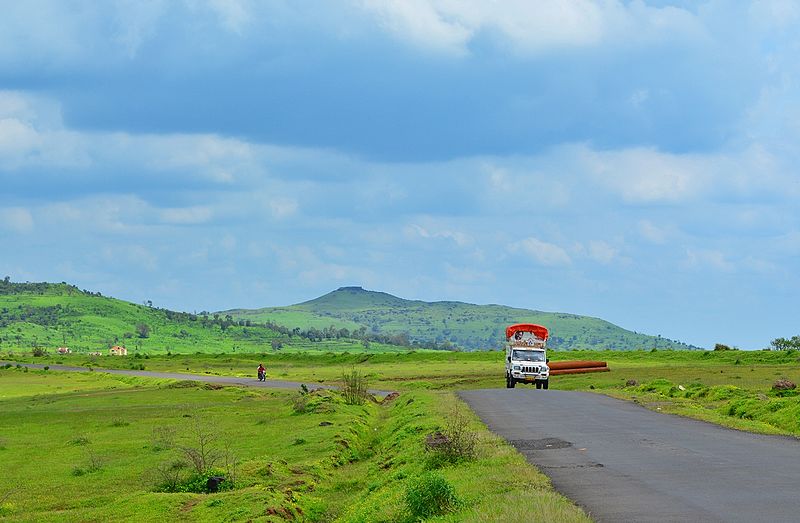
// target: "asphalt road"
[[623, 462], [207, 378]]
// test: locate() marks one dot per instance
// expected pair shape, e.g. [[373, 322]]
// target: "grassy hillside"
[[448, 322], [47, 316]]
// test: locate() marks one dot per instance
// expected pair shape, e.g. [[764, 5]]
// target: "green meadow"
[[733, 388], [91, 446]]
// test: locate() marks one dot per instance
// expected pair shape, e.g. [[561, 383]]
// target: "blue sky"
[[630, 160]]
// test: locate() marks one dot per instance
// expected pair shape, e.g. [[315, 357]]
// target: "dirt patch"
[[189, 505], [391, 397]]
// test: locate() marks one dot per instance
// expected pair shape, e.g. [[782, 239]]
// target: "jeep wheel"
[[510, 383], [538, 384], [546, 383]]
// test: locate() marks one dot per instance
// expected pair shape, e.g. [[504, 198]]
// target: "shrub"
[[80, 440], [94, 463], [453, 444], [300, 403], [203, 452], [170, 474], [354, 387], [430, 495], [119, 423]]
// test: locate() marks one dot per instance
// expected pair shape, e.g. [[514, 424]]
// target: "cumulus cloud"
[[530, 27], [542, 252], [459, 238]]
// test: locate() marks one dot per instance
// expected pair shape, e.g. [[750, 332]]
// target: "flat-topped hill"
[[450, 323]]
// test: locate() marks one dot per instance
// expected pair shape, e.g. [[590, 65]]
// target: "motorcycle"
[[262, 375]]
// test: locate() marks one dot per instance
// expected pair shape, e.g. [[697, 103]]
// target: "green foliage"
[[428, 495], [354, 387], [792, 343], [455, 443], [720, 347], [143, 330], [197, 483]]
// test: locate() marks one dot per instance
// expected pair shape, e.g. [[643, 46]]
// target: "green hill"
[[47, 316], [448, 322]]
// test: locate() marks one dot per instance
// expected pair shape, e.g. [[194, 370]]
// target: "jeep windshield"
[[528, 355]]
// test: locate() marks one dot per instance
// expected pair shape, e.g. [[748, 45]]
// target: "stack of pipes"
[[577, 367]]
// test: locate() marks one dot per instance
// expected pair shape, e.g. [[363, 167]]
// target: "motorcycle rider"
[[262, 372]]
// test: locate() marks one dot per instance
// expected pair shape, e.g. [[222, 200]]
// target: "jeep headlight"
[[516, 367]]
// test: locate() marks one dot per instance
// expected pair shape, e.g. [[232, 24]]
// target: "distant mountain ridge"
[[464, 325]]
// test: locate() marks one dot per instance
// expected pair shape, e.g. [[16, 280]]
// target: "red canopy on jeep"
[[538, 331]]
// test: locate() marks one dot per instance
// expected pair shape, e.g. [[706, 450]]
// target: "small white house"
[[118, 351]]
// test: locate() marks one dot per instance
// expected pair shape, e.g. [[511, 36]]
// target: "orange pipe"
[[558, 365], [578, 371]]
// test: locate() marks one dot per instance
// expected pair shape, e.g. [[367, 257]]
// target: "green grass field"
[[733, 388], [89, 446]]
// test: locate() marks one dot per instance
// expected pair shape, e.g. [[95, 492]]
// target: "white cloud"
[[186, 215], [649, 176], [602, 252], [420, 22], [18, 140], [652, 232], [135, 22], [459, 238], [16, 219], [709, 258], [234, 14], [542, 252], [530, 27]]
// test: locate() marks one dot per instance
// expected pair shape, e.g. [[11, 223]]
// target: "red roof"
[[537, 330]]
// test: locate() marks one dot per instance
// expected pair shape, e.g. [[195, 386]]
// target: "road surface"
[[207, 378], [622, 462]]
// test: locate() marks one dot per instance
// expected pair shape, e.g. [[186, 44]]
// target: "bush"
[[300, 403], [453, 444], [354, 388], [430, 495]]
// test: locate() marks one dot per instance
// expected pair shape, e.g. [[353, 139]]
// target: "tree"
[[276, 344], [784, 344], [143, 330]]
